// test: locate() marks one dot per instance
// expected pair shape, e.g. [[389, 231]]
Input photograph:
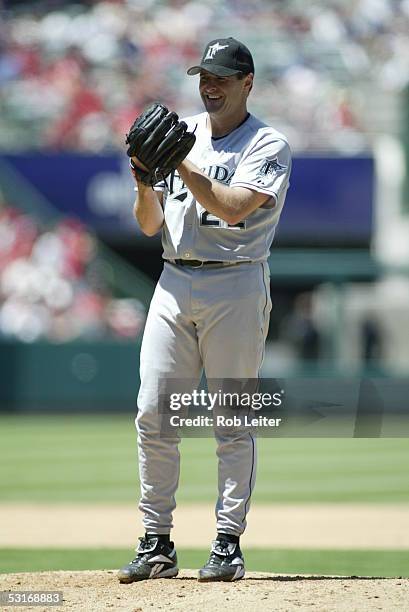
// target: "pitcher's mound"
[[100, 590]]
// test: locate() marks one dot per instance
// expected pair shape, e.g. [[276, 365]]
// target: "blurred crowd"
[[52, 286], [75, 75]]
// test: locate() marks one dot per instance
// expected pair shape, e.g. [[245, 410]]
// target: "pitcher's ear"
[[249, 81]]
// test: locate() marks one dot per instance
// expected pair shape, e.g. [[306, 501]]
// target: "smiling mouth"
[[213, 97]]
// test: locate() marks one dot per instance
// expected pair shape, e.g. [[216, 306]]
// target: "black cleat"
[[225, 563], [154, 559]]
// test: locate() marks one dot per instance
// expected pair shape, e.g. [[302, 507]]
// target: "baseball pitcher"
[[214, 185]]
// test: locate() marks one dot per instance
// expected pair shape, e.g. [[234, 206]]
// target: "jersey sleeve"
[[265, 167]]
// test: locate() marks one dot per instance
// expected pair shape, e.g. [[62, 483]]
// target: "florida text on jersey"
[[254, 156]]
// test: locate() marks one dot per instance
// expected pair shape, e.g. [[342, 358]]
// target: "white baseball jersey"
[[254, 156]]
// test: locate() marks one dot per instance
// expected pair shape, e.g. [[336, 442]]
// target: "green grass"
[[94, 459], [342, 562]]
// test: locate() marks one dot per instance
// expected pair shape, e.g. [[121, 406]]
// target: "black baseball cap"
[[225, 57]]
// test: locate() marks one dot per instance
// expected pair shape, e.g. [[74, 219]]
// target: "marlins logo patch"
[[213, 49], [269, 168]]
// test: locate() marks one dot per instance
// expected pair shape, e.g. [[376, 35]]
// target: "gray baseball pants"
[[211, 318]]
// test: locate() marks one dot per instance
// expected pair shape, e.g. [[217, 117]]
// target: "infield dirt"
[[97, 591], [369, 526], [330, 526]]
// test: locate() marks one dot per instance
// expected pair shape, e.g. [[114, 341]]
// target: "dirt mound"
[[100, 590]]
